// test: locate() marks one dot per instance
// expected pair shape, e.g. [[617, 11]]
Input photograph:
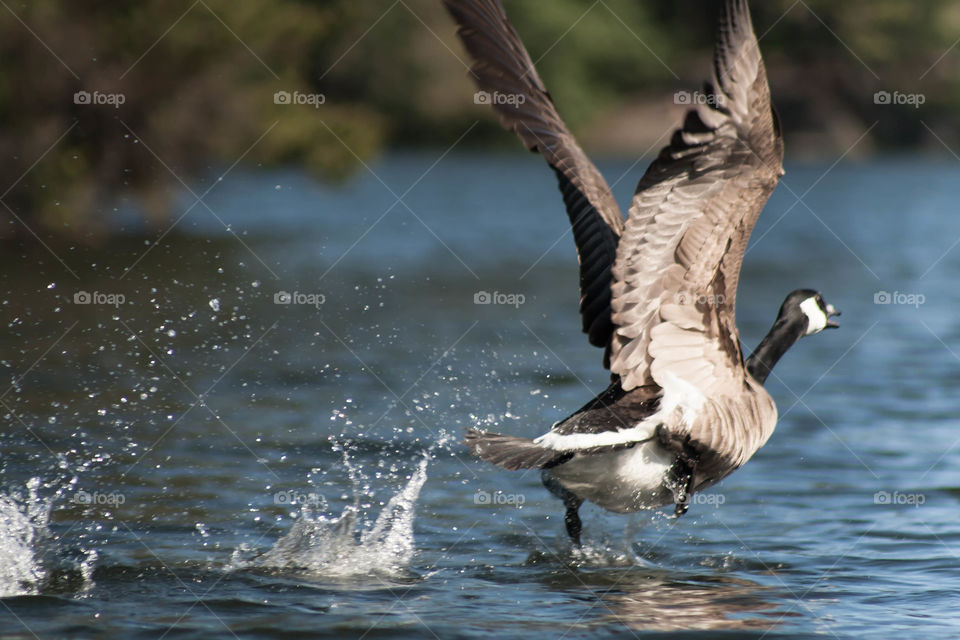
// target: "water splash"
[[23, 535], [331, 547], [31, 560]]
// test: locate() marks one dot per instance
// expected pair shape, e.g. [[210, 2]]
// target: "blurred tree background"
[[197, 83]]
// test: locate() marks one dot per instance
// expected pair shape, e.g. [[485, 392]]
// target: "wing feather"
[[502, 66], [679, 257], [678, 262]]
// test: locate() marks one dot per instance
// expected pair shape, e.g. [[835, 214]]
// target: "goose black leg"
[[572, 502], [683, 471], [572, 519], [684, 487]]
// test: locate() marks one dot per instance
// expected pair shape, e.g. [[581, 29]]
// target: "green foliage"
[[198, 84]]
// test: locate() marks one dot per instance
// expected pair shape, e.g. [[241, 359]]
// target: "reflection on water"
[[662, 603], [626, 589]]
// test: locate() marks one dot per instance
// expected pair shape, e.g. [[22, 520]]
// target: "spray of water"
[[31, 558], [350, 545], [23, 531]]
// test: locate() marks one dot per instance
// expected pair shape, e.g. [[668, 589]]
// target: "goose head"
[[804, 312], [808, 306]]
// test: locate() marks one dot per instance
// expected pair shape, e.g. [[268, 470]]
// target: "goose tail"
[[511, 452]]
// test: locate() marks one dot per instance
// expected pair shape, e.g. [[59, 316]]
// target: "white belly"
[[621, 481]]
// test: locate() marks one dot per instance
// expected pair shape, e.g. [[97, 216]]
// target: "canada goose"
[[684, 408]]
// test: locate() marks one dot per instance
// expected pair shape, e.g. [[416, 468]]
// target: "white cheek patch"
[[816, 318]]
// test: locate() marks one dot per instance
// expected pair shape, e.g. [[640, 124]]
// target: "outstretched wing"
[[678, 263], [676, 273], [503, 69]]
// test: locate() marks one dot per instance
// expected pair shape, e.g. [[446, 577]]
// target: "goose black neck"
[[781, 337]]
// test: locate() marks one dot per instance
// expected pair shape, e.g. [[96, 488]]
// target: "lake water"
[[186, 456]]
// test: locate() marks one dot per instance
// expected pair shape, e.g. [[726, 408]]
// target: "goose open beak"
[[832, 311]]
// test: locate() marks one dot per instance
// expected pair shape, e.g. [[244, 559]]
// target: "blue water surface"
[[163, 438]]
